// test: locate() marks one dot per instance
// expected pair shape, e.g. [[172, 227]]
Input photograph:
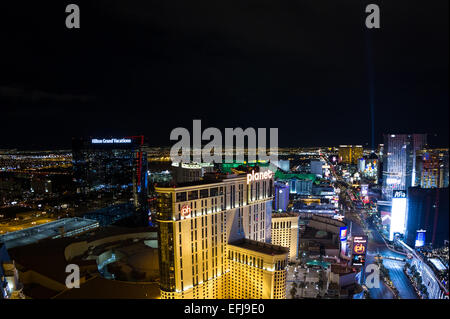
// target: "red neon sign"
[[185, 211]]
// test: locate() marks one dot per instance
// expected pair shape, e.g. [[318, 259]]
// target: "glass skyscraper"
[[399, 161]]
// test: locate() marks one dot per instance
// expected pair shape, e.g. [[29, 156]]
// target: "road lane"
[[377, 245]]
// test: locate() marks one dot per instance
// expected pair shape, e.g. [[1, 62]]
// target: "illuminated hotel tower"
[[399, 160], [214, 237], [285, 232]]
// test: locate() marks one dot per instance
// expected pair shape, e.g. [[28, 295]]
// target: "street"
[[395, 267], [376, 245]]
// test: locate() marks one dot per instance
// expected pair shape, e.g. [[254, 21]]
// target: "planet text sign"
[[259, 176]]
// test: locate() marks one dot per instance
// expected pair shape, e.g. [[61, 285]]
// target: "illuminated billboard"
[[111, 141], [343, 233], [398, 213], [359, 250], [343, 237], [259, 176], [385, 218], [364, 189], [420, 238]]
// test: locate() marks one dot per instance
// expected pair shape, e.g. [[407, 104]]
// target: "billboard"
[[111, 141], [420, 238], [343, 233], [364, 190], [385, 218], [359, 250], [398, 213]]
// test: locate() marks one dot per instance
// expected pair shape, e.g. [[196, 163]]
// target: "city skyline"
[[237, 150]]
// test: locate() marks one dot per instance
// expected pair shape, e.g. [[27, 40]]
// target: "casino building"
[[214, 239], [111, 164]]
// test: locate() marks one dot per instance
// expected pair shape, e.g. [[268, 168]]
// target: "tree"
[[418, 278], [293, 292], [413, 269], [320, 283], [406, 266]]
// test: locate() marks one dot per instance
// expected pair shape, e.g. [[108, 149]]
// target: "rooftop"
[[49, 230], [341, 269], [284, 214], [311, 233], [260, 247], [47, 256], [315, 262]]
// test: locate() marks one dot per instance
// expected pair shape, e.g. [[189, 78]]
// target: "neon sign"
[[359, 249], [111, 141], [343, 233], [185, 211], [259, 176], [398, 213], [399, 194]]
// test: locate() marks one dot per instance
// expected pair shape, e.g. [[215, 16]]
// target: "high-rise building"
[[380, 151], [428, 210], [371, 166], [361, 164], [301, 186], [432, 168], [399, 160], [281, 196], [350, 154], [117, 165], [10, 287], [317, 167], [283, 164], [419, 142], [201, 230], [285, 232], [191, 172], [257, 270]]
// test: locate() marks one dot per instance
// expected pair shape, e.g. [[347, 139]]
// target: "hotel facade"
[[214, 240], [285, 232]]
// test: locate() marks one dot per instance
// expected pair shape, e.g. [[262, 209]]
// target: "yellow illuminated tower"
[[285, 232], [201, 222], [350, 154]]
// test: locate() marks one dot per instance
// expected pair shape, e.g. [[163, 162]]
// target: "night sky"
[[146, 67]]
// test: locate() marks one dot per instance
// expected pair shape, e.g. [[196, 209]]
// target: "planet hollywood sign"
[[259, 176], [359, 245], [185, 211]]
